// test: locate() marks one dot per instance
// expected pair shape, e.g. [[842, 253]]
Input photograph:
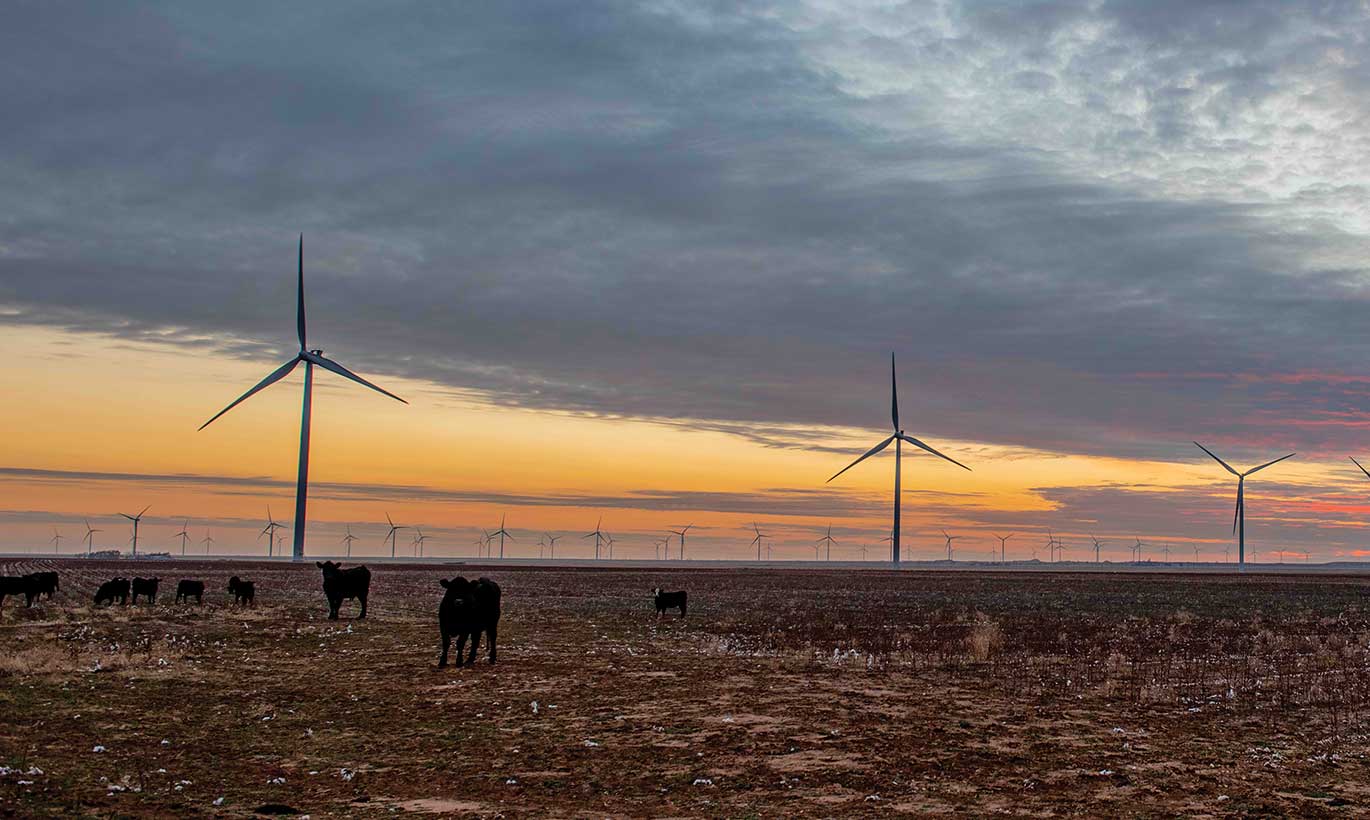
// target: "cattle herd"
[[469, 609]]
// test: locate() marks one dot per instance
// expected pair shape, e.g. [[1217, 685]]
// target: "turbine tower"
[[394, 528], [1003, 546], [501, 532], [310, 359], [597, 535], [757, 539], [348, 539], [829, 541], [898, 437], [183, 535], [270, 532], [135, 519], [1239, 516], [681, 532], [90, 538]]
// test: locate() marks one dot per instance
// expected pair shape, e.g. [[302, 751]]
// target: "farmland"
[[785, 692]]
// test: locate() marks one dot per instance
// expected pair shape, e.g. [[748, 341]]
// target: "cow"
[[146, 587], [185, 590], [344, 584], [111, 589], [468, 608], [668, 600], [46, 583], [18, 585], [244, 592]]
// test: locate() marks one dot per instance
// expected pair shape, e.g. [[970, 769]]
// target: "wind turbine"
[[863, 552], [598, 536], [348, 539], [1051, 546], [1165, 548], [135, 519], [1239, 516], [501, 532], [208, 539], [270, 532], [757, 540], [310, 359], [552, 545], [183, 535], [419, 539], [480, 545], [391, 535], [1137, 549], [90, 538], [681, 533], [56, 540], [898, 437], [949, 538], [890, 539], [609, 539], [1097, 545], [1003, 546], [829, 540]]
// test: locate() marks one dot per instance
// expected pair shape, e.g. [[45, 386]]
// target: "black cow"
[[244, 592], [46, 583], [146, 587], [185, 590], [669, 600], [343, 585], [18, 585], [468, 608], [111, 589]]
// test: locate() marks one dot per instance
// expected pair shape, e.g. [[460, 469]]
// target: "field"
[[783, 693]]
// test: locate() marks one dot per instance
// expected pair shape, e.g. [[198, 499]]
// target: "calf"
[[468, 608], [668, 600], [244, 592], [344, 584], [18, 585], [46, 583], [185, 590], [146, 587], [111, 589]]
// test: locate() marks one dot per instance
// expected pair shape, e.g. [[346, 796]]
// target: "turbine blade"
[[916, 443], [1353, 461], [894, 395], [1226, 466], [329, 364], [1238, 511], [1268, 463], [872, 451], [276, 375], [299, 304]]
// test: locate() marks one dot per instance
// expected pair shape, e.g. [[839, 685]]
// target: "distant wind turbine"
[[183, 535], [501, 532], [394, 528], [90, 538], [681, 532], [898, 437], [757, 540], [609, 539], [1137, 549], [829, 541], [1097, 545], [1003, 546], [1239, 516], [135, 519], [208, 539], [949, 538], [348, 539], [310, 359], [552, 545], [419, 540], [270, 532], [56, 540], [597, 535]]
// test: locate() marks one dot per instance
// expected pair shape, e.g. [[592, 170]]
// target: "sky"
[[647, 262]]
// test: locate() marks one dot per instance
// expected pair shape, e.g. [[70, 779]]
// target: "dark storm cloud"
[[716, 215]]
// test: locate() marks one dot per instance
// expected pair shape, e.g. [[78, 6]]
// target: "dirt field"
[[784, 693]]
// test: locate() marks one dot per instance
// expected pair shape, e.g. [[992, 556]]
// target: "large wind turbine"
[[1003, 546], [394, 528], [828, 540], [501, 532], [898, 437], [681, 532], [757, 539], [135, 519], [90, 537], [1239, 516], [183, 535], [598, 536], [310, 359]]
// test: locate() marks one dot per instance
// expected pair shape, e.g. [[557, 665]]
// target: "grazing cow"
[[18, 585], [668, 600], [146, 587], [185, 590], [46, 583], [244, 592], [111, 589], [468, 608], [344, 584]]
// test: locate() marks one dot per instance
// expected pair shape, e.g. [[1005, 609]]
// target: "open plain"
[[783, 693]]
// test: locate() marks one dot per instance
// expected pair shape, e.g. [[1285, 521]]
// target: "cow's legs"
[[333, 605], [490, 633], [475, 645], [461, 647], [362, 597], [446, 643]]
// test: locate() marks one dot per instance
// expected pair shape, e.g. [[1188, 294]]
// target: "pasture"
[[783, 693]]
